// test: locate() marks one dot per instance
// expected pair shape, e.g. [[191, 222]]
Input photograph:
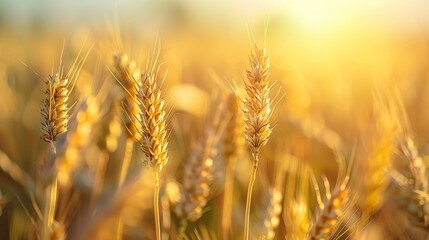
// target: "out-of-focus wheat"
[[128, 75], [374, 183], [233, 144], [86, 119], [331, 212], [198, 171], [273, 209], [410, 179]]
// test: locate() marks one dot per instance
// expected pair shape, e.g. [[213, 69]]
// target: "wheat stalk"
[[257, 113], [153, 132]]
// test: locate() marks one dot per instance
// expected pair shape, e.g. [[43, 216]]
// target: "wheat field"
[[214, 120]]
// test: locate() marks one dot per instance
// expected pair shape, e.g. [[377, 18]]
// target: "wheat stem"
[[129, 145], [227, 200], [182, 228], [49, 209], [156, 207], [249, 195]]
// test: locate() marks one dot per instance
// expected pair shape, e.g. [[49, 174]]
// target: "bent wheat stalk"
[[257, 113]]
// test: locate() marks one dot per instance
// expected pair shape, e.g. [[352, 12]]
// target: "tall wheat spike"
[[197, 180], [257, 113], [153, 132]]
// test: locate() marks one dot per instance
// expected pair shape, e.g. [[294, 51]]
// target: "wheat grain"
[[153, 121], [257, 108]]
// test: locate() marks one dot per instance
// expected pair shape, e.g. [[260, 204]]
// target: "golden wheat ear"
[[56, 105], [55, 110], [153, 121], [257, 103], [257, 114]]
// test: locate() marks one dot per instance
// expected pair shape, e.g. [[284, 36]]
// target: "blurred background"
[[327, 57]]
